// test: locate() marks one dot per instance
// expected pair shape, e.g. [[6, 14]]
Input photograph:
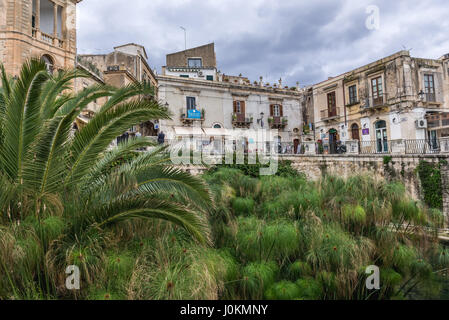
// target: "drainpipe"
[[344, 103]]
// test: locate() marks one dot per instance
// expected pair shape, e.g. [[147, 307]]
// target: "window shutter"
[[281, 110], [242, 107], [235, 106], [271, 110]]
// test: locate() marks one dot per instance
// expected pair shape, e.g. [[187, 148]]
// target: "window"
[[429, 87], [184, 75], [238, 107], [276, 110], [195, 63], [210, 78], [217, 126], [353, 94], [191, 103], [331, 104], [377, 89]]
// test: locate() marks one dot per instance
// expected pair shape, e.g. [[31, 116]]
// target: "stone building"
[[391, 104], [80, 84], [207, 103], [125, 65], [37, 28]]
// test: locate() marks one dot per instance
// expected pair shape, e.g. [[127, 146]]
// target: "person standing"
[[161, 137]]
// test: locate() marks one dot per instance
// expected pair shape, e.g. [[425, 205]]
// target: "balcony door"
[[377, 89], [429, 87], [239, 110], [331, 104], [381, 137], [276, 113]]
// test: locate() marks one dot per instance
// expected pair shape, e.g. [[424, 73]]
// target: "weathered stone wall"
[[402, 167]]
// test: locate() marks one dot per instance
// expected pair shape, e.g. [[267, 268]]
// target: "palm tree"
[[47, 171]]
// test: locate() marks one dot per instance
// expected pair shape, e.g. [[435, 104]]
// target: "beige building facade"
[[215, 106], [38, 28], [386, 106]]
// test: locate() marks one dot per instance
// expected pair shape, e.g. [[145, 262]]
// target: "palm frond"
[[22, 120], [171, 179], [150, 208], [123, 150], [97, 135]]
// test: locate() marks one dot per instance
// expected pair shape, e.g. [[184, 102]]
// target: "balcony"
[[188, 117], [430, 99], [278, 122], [374, 103], [329, 115], [242, 120], [48, 38]]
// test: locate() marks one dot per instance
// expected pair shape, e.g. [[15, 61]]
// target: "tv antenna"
[[185, 37]]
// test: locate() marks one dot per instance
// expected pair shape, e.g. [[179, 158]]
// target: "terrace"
[[47, 23]]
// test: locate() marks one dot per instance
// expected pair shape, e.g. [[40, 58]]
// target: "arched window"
[[355, 132], [217, 126], [48, 62]]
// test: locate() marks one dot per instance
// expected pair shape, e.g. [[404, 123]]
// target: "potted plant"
[[270, 121], [203, 113], [284, 120], [305, 129]]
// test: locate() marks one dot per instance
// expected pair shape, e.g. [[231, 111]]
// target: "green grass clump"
[[309, 289], [354, 214], [243, 206], [257, 240], [299, 269], [283, 290], [257, 277]]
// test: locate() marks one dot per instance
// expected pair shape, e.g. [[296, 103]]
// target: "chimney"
[[261, 81]]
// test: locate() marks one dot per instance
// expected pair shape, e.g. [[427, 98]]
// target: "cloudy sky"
[[298, 40]]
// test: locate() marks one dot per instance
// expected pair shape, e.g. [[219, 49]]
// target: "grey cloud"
[[305, 41]]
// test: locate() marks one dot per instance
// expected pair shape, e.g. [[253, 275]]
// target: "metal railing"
[[242, 118], [375, 102], [329, 113], [351, 147]]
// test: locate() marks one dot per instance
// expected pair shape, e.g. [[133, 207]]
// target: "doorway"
[[355, 132], [333, 138], [295, 146], [381, 137]]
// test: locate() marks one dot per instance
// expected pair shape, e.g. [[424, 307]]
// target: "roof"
[[212, 44], [134, 44]]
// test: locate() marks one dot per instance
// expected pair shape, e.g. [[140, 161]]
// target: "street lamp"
[[260, 121], [421, 95]]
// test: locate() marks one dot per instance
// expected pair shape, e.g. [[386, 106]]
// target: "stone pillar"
[[445, 188], [55, 22], [38, 14]]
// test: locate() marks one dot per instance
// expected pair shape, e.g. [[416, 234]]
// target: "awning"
[[188, 131], [215, 132]]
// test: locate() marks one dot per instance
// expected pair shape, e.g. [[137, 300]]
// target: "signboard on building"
[[193, 114], [365, 132]]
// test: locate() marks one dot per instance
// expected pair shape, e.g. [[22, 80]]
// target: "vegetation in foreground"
[[288, 238], [66, 200], [139, 229]]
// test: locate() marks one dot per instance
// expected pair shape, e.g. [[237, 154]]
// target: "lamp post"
[[421, 95], [260, 121]]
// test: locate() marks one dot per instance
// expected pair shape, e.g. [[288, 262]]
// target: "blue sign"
[[193, 114]]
